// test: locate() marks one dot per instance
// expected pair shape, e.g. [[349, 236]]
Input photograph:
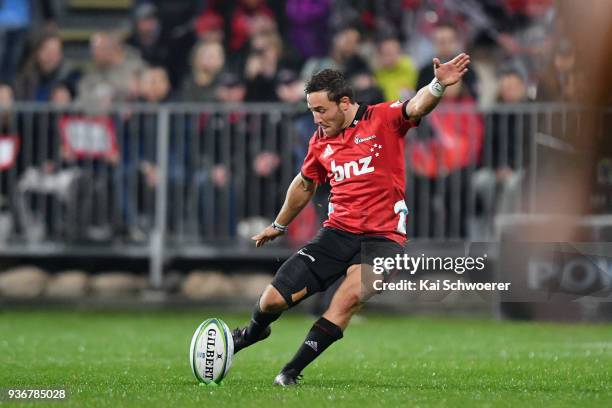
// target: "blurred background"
[[142, 144]]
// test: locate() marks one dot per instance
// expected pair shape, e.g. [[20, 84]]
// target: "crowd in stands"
[[216, 51], [384, 47]]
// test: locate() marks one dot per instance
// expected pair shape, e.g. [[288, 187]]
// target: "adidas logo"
[[312, 344], [328, 152]]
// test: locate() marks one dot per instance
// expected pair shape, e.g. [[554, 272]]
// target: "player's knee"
[[272, 301]]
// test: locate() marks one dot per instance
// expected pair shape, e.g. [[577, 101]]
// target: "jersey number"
[[401, 209]]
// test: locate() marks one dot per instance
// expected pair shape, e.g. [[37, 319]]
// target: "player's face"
[[328, 114]]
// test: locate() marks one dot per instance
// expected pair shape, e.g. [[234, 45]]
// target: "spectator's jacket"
[[36, 86], [401, 77], [309, 26], [456, 141], [100, 84]]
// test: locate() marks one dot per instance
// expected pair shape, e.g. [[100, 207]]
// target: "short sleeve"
[[312, 168], [395, 116]]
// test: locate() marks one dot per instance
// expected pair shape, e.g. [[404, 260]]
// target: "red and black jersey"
[[365, 167]]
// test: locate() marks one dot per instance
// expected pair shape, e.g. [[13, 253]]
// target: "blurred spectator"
[[395, 72], [290, 90], [155, 85], [209, 25], [250, 17], [66, 189], [345, 51], [528, 34], [231, 88], [10, 141], [153, 41], [15, 19], [447, 144], [215, 173], [10, 124], [456, 135], [558, 81], [114, 69], [206, 65], [155, 88], [261, 67], [376, 17], [422, 17], [265, 163], [390, 16], [11, 160], [510, 136], [504, 158], [61, 95], [344, 55], [49, 196], [45, 69], [447, 45], [309, 26], [289, 87], [512, 86], [176, 15], [7, 99], [365, 88], [134, 91], [355, 13]]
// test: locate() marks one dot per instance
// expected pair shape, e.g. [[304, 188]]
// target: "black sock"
[[259, 321], [322, 334]]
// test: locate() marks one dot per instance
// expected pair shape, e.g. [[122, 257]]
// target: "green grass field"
[[141, 359]]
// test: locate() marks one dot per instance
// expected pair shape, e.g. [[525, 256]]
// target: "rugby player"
[[359, 150]]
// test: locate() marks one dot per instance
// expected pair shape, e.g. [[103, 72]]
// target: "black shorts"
[[325, 259]]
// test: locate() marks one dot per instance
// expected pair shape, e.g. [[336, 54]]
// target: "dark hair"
[[511, 72], [446, 24], [64, 84], [384, 37], [41, 39], [513, 67], [331, 81]]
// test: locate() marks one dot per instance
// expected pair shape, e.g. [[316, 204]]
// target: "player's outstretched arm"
[[445, 75], [299, 193]]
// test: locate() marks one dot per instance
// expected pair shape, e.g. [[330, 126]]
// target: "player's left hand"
[[451, 72], [269, 234]]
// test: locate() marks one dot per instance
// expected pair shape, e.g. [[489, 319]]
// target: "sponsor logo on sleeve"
[[363, 139]]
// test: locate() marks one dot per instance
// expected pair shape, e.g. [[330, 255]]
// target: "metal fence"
[[181, 180]]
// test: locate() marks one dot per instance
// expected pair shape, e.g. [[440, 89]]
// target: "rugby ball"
[[211, 351]]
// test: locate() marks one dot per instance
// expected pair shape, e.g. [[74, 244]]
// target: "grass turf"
[[141, 359]]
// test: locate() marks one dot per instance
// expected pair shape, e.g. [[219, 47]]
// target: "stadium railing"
[[196, 181]]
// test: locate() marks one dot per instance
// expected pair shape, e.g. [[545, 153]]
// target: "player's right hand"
[[269, 234]]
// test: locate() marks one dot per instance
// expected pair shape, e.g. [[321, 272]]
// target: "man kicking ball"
[[359, 149]]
